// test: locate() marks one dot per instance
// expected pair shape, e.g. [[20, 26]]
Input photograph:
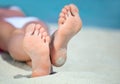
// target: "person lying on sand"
[[27, 38]]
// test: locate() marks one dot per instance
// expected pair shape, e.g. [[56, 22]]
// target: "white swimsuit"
[[20, 22]]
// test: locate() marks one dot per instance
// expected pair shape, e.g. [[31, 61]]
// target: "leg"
[[13, 41], [69, 25]]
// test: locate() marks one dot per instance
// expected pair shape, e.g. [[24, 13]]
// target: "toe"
[[64, 10], [41, 32], [47, 39], [67, 7], [73, 9], [62, 15], [69, 13], [30, 29], [45, 34], [38, 26], [61, 20], [37, 29]]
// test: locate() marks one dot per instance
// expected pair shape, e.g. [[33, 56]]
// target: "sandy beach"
[[93, 58]]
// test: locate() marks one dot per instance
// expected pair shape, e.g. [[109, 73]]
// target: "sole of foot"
[[36, 45], [69, 24]]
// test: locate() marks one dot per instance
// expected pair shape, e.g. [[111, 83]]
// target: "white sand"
[[93, 58]]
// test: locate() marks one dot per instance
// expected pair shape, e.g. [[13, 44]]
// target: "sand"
[[93, 58]]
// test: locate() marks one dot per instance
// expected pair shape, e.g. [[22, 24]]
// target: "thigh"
[[15, 45], [5, 32]]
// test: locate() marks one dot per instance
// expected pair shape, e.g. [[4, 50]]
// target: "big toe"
[[74, 10]]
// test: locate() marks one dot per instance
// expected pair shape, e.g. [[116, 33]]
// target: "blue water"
[[101, 13]]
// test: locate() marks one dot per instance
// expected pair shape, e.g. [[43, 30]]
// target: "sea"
[[100, 13]]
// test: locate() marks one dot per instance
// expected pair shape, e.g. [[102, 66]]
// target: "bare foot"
[[36, 45], [69, 25]]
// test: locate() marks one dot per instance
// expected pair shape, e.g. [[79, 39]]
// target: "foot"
[[69, 25], [36, 45]]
